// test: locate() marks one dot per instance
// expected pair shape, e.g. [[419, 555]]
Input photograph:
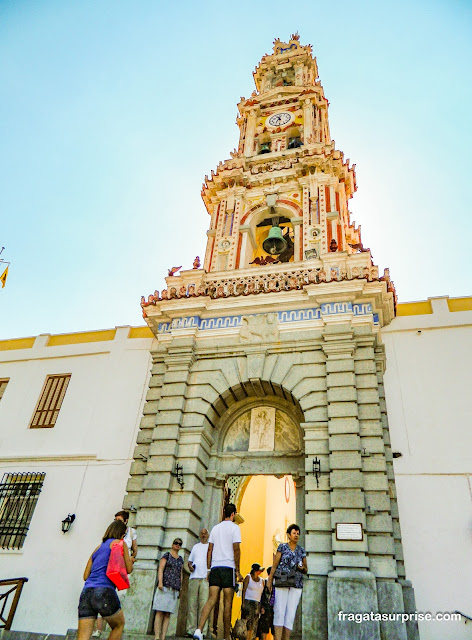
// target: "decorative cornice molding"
[[284, 317]]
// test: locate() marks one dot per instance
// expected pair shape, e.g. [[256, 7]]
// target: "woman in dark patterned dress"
[[169, 583], [290, 558], [266, 620]]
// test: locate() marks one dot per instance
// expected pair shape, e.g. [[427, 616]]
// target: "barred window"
[[3, 385], [19, 494], [50, 401]]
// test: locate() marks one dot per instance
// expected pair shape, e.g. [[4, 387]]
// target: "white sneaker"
[[96, 634], [197, 635]]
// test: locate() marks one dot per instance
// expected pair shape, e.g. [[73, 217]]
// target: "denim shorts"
[[98, 600]]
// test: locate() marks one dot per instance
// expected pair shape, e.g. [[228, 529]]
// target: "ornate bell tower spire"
[[279, 217], [286, 170]]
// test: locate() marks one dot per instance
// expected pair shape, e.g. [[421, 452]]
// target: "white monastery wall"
[[428, 384], [86, 457]]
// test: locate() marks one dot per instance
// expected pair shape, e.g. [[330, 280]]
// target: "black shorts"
[[222, 577], [98, 600]]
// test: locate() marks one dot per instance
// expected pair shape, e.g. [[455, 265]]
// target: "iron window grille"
[[19, 493], [50, 401], [3, 386]]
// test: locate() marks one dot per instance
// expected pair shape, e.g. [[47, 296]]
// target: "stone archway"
[[260, 435]]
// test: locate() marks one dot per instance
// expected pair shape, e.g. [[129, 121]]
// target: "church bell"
[[275, 242]]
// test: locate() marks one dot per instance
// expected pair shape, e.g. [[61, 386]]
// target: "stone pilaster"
[[346, 483], [322, 220], [350, 559], [213, 499], [137, 603], [317, 524], [306, 216], [380, 367], [395, 596], [161, 504], [250, 131], [376, 456], [297, 224], [138, 471], [307, 119]]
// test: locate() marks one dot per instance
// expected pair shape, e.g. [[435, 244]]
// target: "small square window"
[[50, 401]]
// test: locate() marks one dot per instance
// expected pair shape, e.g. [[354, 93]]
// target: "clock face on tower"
[[279, 119]]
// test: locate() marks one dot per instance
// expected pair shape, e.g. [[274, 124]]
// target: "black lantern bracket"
[[317, 471], [179, 475], [67, 522]]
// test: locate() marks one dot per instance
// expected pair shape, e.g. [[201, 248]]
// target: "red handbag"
[[116, 569]]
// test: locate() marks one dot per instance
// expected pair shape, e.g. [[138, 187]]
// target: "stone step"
[[72, 635], [28, 635], [127, 635]]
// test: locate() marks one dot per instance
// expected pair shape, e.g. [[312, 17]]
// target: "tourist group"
[[268, 606]]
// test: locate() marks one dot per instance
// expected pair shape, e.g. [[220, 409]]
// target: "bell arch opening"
[[259, 222]]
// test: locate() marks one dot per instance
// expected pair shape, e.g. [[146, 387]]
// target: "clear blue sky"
[[112, 112]]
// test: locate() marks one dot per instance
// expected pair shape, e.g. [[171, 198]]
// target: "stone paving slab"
[[127, 635], [28, 635]]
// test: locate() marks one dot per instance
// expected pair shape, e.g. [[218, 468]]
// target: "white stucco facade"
[[85, 457], [427, 388]]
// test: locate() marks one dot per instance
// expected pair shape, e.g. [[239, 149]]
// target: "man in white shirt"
[[130, 537], [224, 553], [198, 587]]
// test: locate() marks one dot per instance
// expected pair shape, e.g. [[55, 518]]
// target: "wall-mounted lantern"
[[179, 475], [317, 470], [67, 522]]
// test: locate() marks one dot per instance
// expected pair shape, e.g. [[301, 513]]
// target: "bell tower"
[[285, 173], [283, 321]]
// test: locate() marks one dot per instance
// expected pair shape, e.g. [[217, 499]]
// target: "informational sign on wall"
[[349, 531]]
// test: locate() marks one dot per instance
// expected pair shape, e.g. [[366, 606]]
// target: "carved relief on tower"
[[313, 242], [223, 249], [224, 245], [263, 428], [262, 327]]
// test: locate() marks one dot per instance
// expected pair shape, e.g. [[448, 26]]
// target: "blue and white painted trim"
[[284, 317]]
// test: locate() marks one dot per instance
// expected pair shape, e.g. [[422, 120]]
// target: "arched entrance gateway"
[[259, 456], [267, 375], [257, 436]]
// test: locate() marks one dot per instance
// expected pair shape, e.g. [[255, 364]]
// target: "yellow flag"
[[3, 277]]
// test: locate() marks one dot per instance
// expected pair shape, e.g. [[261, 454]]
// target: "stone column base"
[[352, 591], [390, 599], [412, 630], [314, 609], [137, 600]]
